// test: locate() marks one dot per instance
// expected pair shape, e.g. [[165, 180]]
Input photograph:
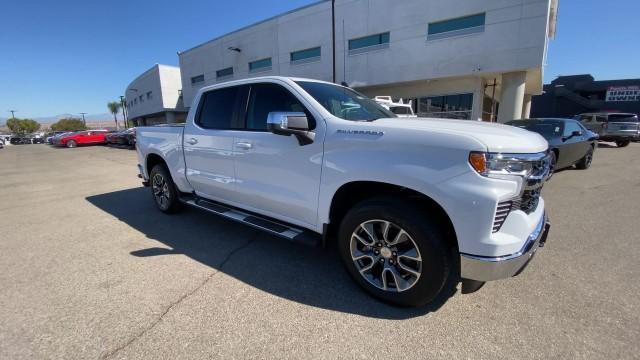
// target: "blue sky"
[[72, 56]]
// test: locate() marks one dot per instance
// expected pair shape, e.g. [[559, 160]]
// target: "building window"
[[306, 56], [149, 97], [197, 79], [369, 43], [141, 99], [260, 65], [135, 101], [224, 73], [456, 106], [456, 27]]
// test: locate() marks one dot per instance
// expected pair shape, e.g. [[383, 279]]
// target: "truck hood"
[[496, 137]]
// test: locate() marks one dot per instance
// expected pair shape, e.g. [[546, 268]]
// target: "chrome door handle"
[[244, 145], [192, 141]]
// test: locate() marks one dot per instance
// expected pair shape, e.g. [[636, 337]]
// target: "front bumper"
[[484, 268]]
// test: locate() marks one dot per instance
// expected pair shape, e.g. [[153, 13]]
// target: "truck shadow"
[[311, 276]]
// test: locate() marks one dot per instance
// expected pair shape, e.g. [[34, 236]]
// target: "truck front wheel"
[[164, 190], [395, 251]]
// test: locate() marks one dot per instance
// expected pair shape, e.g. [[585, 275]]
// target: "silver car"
[[622, 128]]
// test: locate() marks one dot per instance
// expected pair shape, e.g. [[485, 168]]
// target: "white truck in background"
[[413, 205], [399, 108]]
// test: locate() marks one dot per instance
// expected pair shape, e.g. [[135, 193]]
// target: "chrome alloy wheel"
[[161, 191], [386, 255]]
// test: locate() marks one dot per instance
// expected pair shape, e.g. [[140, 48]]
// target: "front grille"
[[502, 211], [529, 200]]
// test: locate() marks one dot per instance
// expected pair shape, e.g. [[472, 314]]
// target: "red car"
[[88, 137]]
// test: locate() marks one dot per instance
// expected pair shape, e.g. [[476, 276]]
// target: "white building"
[[155, 97], [445, 54]]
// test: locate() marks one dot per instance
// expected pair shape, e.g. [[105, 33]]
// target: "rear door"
[[276, 176], [622, 125], [208, 143]]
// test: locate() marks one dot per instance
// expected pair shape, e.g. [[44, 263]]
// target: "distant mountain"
[[51, 119], [88, 117]]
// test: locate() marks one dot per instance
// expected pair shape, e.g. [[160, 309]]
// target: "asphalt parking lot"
[[89, 269]]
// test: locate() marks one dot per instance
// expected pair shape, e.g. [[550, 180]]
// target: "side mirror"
[[291, 123], [576, 133]]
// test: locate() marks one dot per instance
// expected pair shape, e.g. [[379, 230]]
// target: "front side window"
[[345, 103], [260, 65], [456, 27], [266, 98], [570, 127], [217, 108]]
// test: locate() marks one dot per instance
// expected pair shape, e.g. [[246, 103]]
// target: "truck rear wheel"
[[164, 190], [622, 143], [395, 251]]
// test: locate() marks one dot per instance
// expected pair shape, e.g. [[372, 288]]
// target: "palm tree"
[[114, 108]]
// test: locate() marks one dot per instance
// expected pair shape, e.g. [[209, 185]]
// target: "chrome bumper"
[[485, 268]]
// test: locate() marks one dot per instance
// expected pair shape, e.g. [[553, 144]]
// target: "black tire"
[[163, 190], [424, 232], [71, 144], [585, 162], [622, 143]]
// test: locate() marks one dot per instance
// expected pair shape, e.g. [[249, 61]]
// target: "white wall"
[[514, 39], [163, 81]]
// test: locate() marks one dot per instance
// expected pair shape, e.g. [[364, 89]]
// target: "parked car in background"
[[20, 140], [49, 139], [87, 137], [399, 108], [570, 142], [37, 140], [125, 137], [622, 128]]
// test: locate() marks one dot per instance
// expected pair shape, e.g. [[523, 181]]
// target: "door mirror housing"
[[291, 123], [573, 134]]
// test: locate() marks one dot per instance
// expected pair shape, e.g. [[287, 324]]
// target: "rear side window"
[[623, 118], [266, 98], [218, 108]]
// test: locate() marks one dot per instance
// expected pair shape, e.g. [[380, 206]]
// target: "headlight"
[[498, 165]]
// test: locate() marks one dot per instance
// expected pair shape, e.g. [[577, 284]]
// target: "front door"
[[208, 144], [276, 176]]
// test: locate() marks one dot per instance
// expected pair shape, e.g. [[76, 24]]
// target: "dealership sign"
[[623, 93]]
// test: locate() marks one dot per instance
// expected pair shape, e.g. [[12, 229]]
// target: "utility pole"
[[123, 104], [13, 115], [83, 120]]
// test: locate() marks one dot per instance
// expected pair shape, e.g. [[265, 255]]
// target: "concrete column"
[[478, 100], [171, 117], [512, 97], [526, 106]]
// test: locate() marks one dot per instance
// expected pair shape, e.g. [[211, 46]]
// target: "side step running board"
[[271, 226]]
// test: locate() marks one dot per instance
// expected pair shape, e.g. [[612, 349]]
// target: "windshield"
[[344, 102], [623, 118], [548, 129]]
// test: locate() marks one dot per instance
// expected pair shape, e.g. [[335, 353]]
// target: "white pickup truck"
[[413, 205]]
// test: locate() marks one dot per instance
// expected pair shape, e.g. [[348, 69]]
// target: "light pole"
[[85, 123]]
